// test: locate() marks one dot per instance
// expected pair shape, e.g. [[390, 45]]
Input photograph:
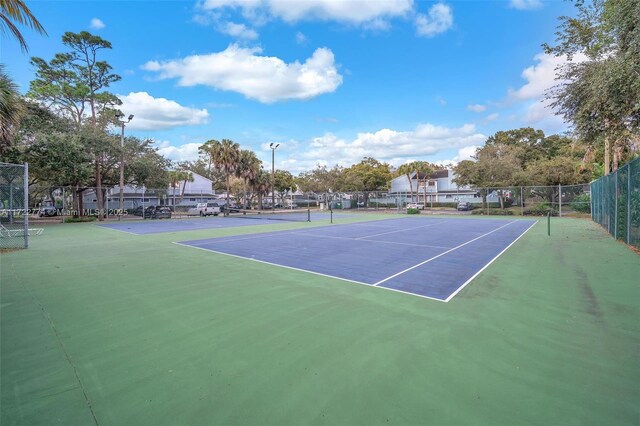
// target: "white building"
[[437, 187], [198, 191]]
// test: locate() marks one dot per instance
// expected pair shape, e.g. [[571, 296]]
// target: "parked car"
[[232, 208], [204, 209], [48, 211], [160, 212], [464, 206], [419, 206], [153, 212]]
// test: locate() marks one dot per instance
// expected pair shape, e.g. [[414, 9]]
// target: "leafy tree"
[[368, 175], [599, 96], [74, 81], [144, 165], [17, 10], [320, 180], [11, 110], [283, 183]]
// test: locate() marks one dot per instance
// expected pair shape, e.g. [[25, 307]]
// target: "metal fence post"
[[26, 205], [628, 203], [615, 200], [559, 200]]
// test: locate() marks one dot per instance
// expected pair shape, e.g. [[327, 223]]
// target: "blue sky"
[[332, 81]]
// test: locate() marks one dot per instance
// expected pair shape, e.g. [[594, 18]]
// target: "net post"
[[26, 205], [548, 224], [308, 214], [331, 215]]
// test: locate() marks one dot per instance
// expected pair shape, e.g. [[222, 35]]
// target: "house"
[[198, 191], [437, 187]]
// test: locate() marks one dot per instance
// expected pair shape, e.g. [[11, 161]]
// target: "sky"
[[331, 81]]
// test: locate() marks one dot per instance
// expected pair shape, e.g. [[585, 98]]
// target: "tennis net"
[[292, 215]]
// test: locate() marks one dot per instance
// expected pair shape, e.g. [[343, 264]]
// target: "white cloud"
[[185, 152], [238, 30], [265, 78], [438, 20], [300, 38], [477, 108], [465, 153], [540, 77], [96, 24], [492, 117], [159, 113], [525, 4], [388, 145], [349, 11]]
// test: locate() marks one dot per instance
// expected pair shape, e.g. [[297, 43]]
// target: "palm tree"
[[261, 183], [226, 158], [248, 167], [175, 178], [16, 10], [11, 109], [417, 167]]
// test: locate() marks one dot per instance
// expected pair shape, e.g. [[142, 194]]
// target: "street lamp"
[[273, 147], [122, 121]]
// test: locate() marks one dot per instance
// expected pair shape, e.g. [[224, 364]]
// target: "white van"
[[204, 209]]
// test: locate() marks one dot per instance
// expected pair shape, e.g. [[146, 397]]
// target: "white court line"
[[367, 241], [307, 271], [487, 265], [400, 230], [440, 255], [119, 230]]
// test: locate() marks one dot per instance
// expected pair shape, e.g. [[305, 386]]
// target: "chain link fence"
[[68, 204], [616, 203], [14, 210]]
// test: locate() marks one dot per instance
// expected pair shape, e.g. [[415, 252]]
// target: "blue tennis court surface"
[[428, 257], [156, 226]]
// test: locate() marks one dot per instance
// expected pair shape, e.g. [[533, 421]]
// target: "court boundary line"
[[368, 241], [400, 230], [459, 289], [119, 230], [308, 272], [441, 254]]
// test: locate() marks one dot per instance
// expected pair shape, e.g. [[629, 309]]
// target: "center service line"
[[441, 254]]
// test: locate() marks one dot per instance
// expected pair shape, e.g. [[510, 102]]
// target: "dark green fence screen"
[[615, 203]]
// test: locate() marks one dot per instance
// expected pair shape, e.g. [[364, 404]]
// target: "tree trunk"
[[98, 190], [607, 162], [617, 155], [410, 187]]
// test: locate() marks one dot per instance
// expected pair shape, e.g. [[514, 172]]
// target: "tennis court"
[[157, 226], [108, 328], [428, 257]]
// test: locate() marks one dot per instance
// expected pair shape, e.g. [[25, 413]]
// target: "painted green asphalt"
[[102, 327]]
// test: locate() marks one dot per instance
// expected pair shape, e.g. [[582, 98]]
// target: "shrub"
[[493, 212], [80, 219], [413, 211], [541, 209], [581, 204]]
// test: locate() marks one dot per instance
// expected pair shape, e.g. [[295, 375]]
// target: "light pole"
[[273, 147], [121, 120]]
